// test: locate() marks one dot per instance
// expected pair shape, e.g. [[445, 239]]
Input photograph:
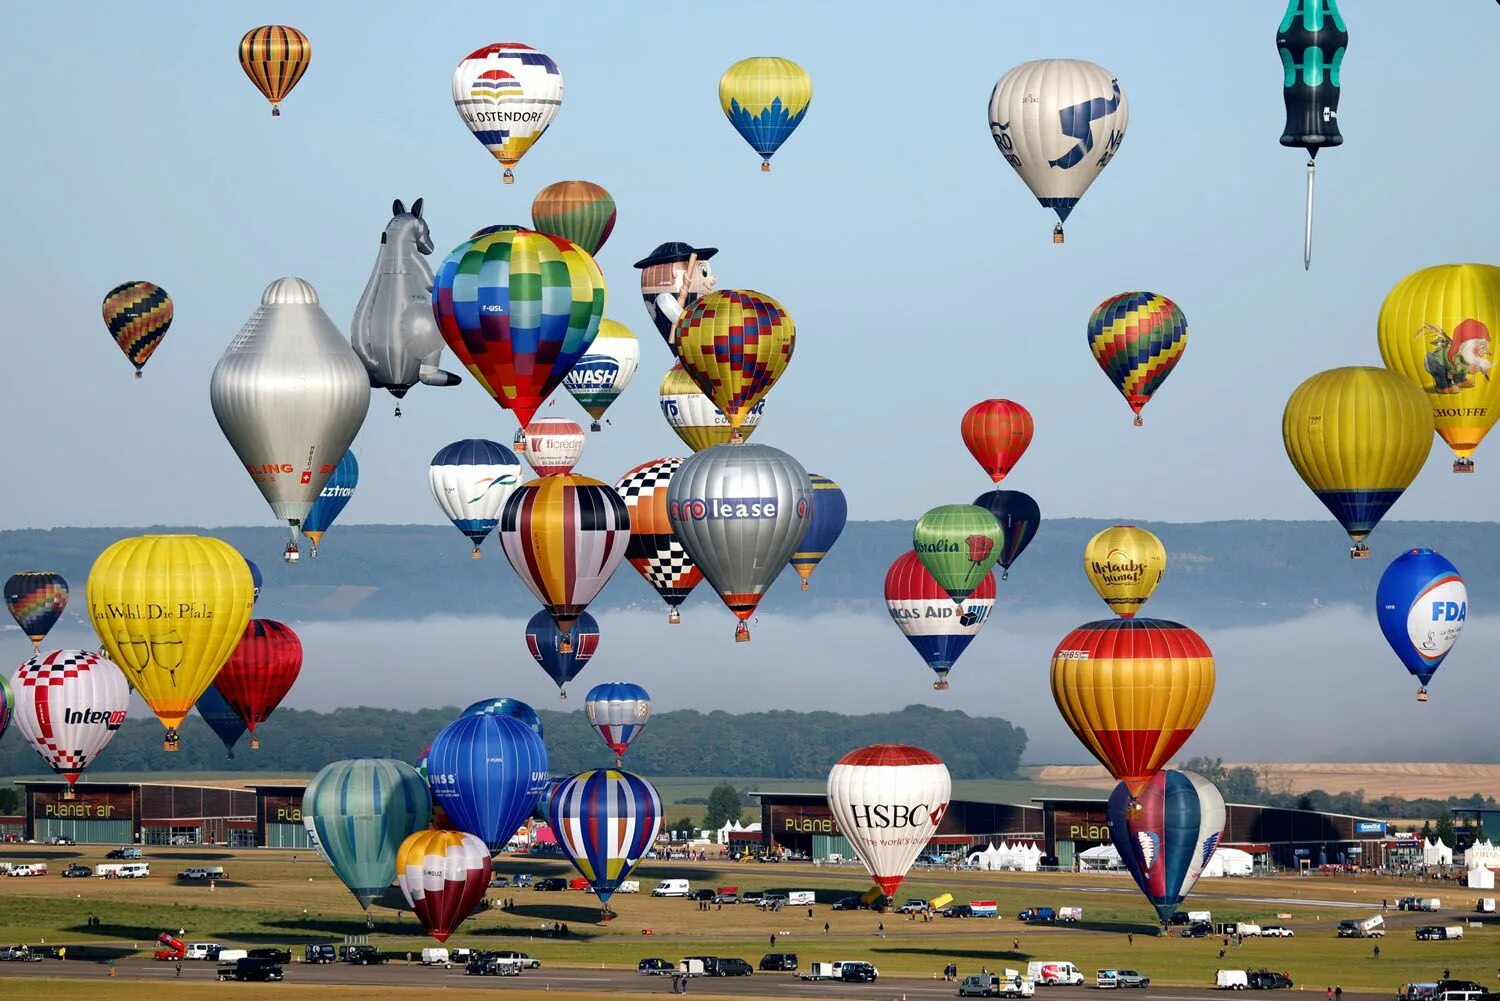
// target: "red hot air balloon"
[[997, 433], [260, 672], [443, 875]]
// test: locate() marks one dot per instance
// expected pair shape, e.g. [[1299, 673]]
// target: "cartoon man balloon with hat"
[[672, 276]]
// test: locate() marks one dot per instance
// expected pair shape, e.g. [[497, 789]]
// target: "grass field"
[[269, 899]]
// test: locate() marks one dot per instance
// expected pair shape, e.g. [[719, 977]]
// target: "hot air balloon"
[[514, 708], [471, 481], [564, 535], [1137, 338], [290, 394], [618, 711], [578, 211], [169, 610], [1167, 840], [1019, 518], [740, 511], [68, 705], [260, 672], [507, 94], [443, 875], [7, 704], [958, 544], [1124, 564], [889, 800], [735, 345], [1357, 436], [274, 57], [221, 718], [36, 599], [765, 98], [358, 812], [553, 445], [1436, 330], [606, 821], [486, 772], [519, 309], [545, 641], [922, 610], [335, 494], [137, 315], [694, 417], [829, 513], [1058, 122], [1133, 691], [654, 549], [1421, 603], [1311, 40], [257, 581], [599, 377], [997, 433]]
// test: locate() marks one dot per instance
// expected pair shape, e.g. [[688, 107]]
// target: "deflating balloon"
[[274, 57], [7, 704], [260, 672], [169, 610], [553, 445], [1019, 517], [1311, 40], [740, 511], [514, 708], [68, 705], [443, 875], [1137, 338], [1166, 840], [599, 377], [654, 549], [1058, 122], [926, 615], [765, 99], [1133, 691], [336, 493], [137, 315], [606, 821], [958, 544], [290, 395], [694, 417], [507, 94], [486, 772], [829, 513], [579, 211], [735, 345], [997, 433], [358, 812], [1357, 436], [471, 480], [1124, 564], [618, 711], [36, 599], [1421, 603], [889, 801], [545, 641], [221, 718]]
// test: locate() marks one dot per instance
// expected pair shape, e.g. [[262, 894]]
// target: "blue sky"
[[918, 268]]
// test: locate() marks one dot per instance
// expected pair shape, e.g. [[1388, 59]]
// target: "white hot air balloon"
[[69, 704], [507, 94], [889, 800], [553, 445], [598, 378], [471, 481], [1058, 122], [290, 394], [693, 415]]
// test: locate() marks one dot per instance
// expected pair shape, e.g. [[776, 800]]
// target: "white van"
[[201, 950], [672, 888], [1231, 980], [1048, 973], [629, 886], [435, 957], [800, 898], [134, 870], [30, 869], [1246, 930]]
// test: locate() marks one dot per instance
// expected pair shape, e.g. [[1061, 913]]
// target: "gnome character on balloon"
[[672, 276]]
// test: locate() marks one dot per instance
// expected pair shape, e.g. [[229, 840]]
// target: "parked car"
[[551, 883], [58, 839], [1277, 931], [271, 954], [770, 900], [1198, 929], [850, 904], [499, 882], [727, 897], [521, 958], [912, 905], [1438, 933], [202, 872], [992, 985], [701, 894], [752, 896], [19, 954], [778, 962], [654, 967], [858, 973], [362, 955], [486, 965], [251, 970], [123, 853], [75, 870], [1266, 980], [579, 883], [732, 967], [958, 911], [1120, 978]]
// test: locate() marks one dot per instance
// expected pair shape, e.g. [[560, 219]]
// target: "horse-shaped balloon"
[[393, 331]]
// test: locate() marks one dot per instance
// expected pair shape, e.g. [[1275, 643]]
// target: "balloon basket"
[[510, 177], [742, 633], [1359, 551], [254, 743], [674, 617], [398, 410], [595, 426], [564, 645], [171, 742], [1134, 807], [735, 438], [137, 373], [562, 695], [476, 554], [805, 584], [275, 111], [765, 166], [1138, 421], [1004, 574], [290, 554], [940, 685], [1463, 465], [1421, 695], [70, 792], [313, 553], [1057, 233]]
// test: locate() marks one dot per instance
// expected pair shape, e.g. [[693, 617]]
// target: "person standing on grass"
[[1376, 952], [825, 927], [882, 929]]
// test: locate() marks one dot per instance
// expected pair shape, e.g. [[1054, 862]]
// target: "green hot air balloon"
[[580, 211], [359, 811], [958, 543]]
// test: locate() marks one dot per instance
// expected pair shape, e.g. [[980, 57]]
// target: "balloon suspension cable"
[[1057, 233], [254, 742], [1463, 465], [1312, 173], [1422, 694], [1359, 551], [510, 177], [742, 633], [674, 617]]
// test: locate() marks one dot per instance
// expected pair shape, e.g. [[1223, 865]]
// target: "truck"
[[984, 909], [172, 948], [1231, 980], [436, 957], [1485, 905], [800, 898], [202, 872], [204, 951], [319, 953], [1053, 972], [28, 869], [1245, 929], [1207, 917], [1044, 914], [1428, 904], [629, 886], [1371, 927], [1440, 933]]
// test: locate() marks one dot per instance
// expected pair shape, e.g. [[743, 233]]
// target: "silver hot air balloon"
[[740, 511], [290, 394]]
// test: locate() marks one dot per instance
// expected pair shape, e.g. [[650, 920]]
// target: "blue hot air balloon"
[[1422, 604], [331, 502], [221, 718], [605, 820], [514, 708], [543, 639], [487, 773], [829, 513], [255, 576], [618, 711], [1019, 517], [544, 802], [1168, 841], [360, 810]]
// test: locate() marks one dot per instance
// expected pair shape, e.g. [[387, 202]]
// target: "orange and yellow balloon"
[[735, 344], [274, 57], [1124, 563], [1437, 328]]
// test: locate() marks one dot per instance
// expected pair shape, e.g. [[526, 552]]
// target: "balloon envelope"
[[260, 672], [443, 875], [1019, 518], [274, 57], [1167, 840], [69, 704], [1124, 564], [545, 641], [7, 704], [735, 344], [997, 433], [486, 772], [332, 499], [137, 315], [830, 511], [1422, 604], [221, 718], [471, 481], [618, 712], [507, 94], [939, 630], [359, 811], [605, 820], [654, 549], [694, 417], [889, 800], [1137, 338], [579, 211], [553, 445], [598, 378], [36, 599], [514, 708], [765, 98], [958, 544]]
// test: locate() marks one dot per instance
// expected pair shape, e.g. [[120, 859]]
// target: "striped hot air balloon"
[[605, 820], [358, 812], [1166, 843], [514, 708], [545, 641], [830, 511], [443, 875], [137, 315], [7, 703], [580, 211], [654, 549], [1137, 338], [939, 630], [36, 599], [487, 772], [618, 712], [274, 57]]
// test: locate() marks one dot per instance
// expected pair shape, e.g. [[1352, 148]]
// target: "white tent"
[[1100, 857], [1482, 853], [1017, 857], [1436, 853], [1481, 878], [721, 836], [1229, 862]]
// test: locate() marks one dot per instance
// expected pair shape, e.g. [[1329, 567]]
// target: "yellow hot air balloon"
[[1357, 436], [765, 98], [735, 344], [1124, 563], [169, 610], [1437, 328]]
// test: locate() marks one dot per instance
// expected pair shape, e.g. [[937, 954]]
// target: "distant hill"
[[1406, 779], [1223, 573]]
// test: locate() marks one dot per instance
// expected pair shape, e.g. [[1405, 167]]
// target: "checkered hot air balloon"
[[735, 344], [1137, 338], [654, 549], [69, 705], [137, 315]]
